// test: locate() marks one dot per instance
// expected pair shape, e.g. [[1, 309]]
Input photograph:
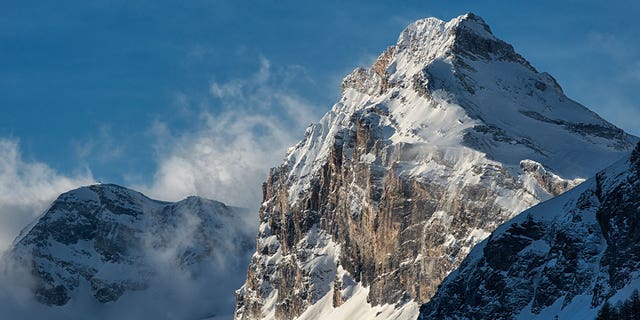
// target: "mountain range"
[[452, 180]]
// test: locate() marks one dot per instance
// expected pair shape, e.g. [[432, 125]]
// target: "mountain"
[[449, 134], [564, 257], [102, 247]]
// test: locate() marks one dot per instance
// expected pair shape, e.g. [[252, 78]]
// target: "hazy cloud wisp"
[[229, 154], [27, 188]]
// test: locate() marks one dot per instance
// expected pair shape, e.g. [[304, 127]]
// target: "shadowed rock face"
[[426, 153], [585, 242], [104, 236]]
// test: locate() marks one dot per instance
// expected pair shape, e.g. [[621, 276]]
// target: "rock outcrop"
[[563, 258]]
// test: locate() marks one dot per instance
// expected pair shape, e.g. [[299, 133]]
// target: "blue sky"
[[79, 76], [160, 95]]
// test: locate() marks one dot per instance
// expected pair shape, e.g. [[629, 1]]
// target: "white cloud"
[[229, 152], [26, 189]]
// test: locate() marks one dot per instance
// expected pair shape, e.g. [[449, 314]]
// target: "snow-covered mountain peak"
[[103, 192], [433, 31], [101, 242], [466, 36], [456, 83], [473, 23], [424, 41], [456, 88], [447, 135]]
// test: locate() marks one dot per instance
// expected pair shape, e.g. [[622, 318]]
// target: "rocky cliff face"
[[449, 134], [105, 241], [564, 257]]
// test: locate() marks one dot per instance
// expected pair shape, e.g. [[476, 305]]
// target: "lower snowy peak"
[[562, 259], [107, 246], [448, 135]]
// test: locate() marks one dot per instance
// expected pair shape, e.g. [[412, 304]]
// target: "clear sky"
[[202, 97]]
